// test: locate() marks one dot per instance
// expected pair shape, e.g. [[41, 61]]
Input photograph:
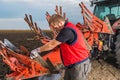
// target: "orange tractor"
[[101, 32]]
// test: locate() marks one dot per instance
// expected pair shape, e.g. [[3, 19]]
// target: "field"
[[101, 70]]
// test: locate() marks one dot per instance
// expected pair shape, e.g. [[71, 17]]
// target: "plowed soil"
[[101, 69]]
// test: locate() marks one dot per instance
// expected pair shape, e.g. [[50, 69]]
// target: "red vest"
[[76, 52]]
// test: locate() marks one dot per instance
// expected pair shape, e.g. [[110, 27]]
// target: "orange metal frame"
[[22, 66], [92, 26]]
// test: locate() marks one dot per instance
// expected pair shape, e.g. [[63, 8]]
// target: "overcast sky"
[[12, 12]]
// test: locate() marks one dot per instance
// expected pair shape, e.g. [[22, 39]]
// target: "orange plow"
[[93, 26], [22, 66]]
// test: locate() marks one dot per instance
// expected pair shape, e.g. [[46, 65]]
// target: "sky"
[[12, 12]]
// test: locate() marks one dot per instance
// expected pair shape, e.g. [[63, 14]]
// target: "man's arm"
[[49, 46], [65, 35]]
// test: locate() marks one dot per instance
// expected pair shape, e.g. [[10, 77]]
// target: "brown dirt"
[[101, 70]]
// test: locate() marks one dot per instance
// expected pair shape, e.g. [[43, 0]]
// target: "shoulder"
[[65, 35], [66, 30]]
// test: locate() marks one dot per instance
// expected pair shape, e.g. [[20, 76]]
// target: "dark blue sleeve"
[[66, 35]]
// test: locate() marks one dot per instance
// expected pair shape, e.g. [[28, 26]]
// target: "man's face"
[[58, 26]]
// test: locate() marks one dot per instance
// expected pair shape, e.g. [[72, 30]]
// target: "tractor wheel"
[[117, 48]]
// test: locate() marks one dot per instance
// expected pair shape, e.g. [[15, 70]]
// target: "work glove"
[[34, 53]]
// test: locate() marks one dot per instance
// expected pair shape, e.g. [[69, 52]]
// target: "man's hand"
[[34, 53]]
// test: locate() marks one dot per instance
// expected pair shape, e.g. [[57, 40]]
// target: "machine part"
[[34, 27], [95, 24], [11, 46], [105, 15], [111, 10], [40, 60], [24, 50], [52, 68], [22, 66], [109, 25], [117, 48]]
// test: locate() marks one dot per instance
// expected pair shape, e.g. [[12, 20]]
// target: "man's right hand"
[[34, 53]]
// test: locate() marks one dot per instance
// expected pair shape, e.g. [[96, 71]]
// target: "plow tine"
[[41, 32], [64, 15], [31, 28], [61, 10], [42, 62], [31, 23], [31, 19], [36, 28], [56, 10], [51, 66], [28, 22], [25, 50], [47, 16], [26, 18]]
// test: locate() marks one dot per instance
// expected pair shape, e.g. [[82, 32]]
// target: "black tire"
[[117, 49]]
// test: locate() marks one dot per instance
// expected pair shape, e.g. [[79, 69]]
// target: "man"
[[74, 53]]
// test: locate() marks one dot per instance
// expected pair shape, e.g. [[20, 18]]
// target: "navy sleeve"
[[66, 35]]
